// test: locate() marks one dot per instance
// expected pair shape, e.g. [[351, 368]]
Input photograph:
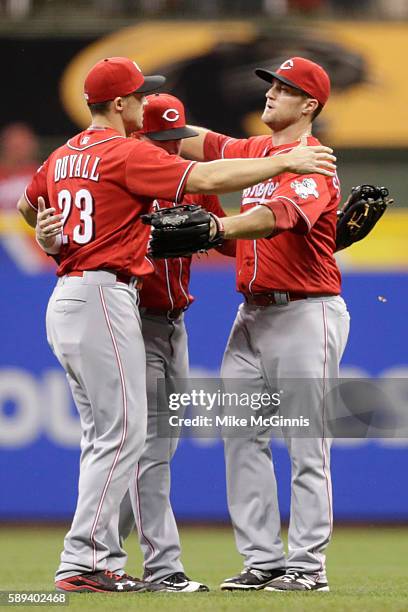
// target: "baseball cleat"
[[294, 580], [103, 582], [180, 583], [251, 579]]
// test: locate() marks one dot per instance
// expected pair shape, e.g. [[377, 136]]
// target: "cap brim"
[[268, 75], [151, 83], [174, 134]]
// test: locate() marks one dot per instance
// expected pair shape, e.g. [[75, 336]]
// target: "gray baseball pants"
[[303, 339], [94, 329], [149, 490]]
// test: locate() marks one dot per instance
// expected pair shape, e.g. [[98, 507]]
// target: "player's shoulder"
[[261, 139], [312, 141], [258, 144], [144, 149], [90, 141], [250, 147]]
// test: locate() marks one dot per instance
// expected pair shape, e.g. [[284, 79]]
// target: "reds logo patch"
[[171, 114], [287, 65], [305, 188]]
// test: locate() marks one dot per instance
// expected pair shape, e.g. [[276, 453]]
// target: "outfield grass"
[[367, 570]]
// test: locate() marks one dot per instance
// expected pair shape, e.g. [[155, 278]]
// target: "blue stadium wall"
[[39, 427]]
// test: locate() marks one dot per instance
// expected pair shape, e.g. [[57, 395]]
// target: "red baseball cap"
[[118, 76], [164, 118], [303, 74]]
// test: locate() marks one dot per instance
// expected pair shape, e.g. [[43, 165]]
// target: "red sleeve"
[[38, 187], [308, 196], [286, 217], [152, 172], [219, 146]]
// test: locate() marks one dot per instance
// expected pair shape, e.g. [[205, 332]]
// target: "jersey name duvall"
[[77, 166]]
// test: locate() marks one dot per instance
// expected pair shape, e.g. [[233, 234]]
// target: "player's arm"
[[259, 222], [27, 204], [27, 211], [223, 176], [193, 148], [286, 211], [48, 228], [210, 146]]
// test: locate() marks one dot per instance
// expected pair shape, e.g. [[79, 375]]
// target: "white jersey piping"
[[28, 200], [309, 225], [226, 143], [296, 206], [168, 284], [180, 187], [181, 283], [70, 146], [124, 428], [251, 282], [326, 472], [139, 511]]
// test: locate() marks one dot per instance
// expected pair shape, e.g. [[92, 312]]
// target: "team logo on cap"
[[287, 65], [305, 188], [171, 114]]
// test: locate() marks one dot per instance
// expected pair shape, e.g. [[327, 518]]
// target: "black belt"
[[171, 315], [280, 298]]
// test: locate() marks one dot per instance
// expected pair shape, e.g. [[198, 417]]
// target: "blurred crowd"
[[19, 148], [18, 162], [391, 9]]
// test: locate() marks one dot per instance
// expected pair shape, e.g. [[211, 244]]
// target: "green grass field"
[[367, 569]]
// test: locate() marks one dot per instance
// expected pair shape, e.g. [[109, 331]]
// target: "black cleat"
[[180, 583], [294, 580], [150, 587], [251, 579]]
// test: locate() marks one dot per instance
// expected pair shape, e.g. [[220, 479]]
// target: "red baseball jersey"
[[102, 182], [168, 287], [299, 259]]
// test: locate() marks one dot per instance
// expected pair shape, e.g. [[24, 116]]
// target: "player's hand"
[[49, 227], [311, 160]]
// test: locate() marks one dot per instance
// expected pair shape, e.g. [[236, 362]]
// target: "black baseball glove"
[[182, 231], [359, 214]]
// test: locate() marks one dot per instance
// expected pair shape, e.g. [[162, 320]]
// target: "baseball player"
[[163, 299], [101, 181], [292, 324]]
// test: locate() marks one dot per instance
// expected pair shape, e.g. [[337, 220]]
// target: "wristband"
[[220, 227]]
